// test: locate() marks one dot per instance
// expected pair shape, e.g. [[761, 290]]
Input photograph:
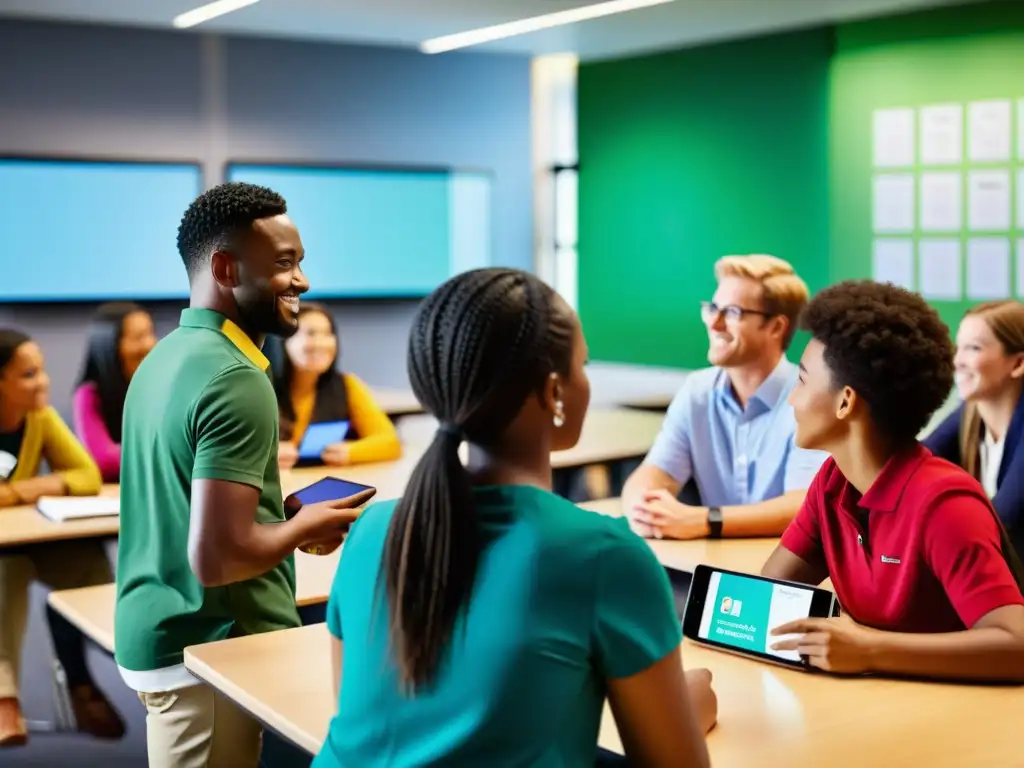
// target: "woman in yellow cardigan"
[[310, 390], [32, 432]]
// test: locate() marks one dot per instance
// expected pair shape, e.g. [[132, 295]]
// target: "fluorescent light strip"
[[534, 24], [209, 11]]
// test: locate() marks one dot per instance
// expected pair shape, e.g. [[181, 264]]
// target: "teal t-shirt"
[[564, 599]]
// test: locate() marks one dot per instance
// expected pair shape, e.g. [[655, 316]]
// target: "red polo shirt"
[[919, 552]]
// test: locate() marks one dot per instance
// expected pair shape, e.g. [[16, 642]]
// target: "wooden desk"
[[91, 609], [395, 401], [21, 526], [282, 678], [609, 434], [769, 717], [743, 555]]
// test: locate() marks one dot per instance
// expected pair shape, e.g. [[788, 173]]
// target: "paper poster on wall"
[[940, 269], [1020, 269], [893, 262], [1020, 199], [941, 201], [893, 132], [988, 131], [1020, 129], [942, 134], [894, 202], [988, 201], [988, 268]]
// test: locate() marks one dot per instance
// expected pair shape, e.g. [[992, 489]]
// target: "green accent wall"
[[760, 145], [688, 156], [951, 55]]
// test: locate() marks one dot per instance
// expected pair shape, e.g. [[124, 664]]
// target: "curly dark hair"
[[888, 345], [219, 215]]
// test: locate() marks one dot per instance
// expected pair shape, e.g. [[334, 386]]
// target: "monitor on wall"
[[381, 232], [93, 230]]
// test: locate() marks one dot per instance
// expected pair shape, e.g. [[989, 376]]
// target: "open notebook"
[[61, 508]]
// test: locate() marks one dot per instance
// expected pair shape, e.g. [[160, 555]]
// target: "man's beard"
[[261, 314]]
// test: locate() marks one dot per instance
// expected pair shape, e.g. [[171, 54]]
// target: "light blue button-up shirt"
[[735, 455]]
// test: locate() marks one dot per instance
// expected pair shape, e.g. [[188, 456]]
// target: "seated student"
[[730, 429], [927, 580], [310, 390], [504, 614], [120, 336], [985, 435], [30, 432]]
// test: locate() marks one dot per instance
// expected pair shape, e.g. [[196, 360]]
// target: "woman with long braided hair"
[[485, 620]]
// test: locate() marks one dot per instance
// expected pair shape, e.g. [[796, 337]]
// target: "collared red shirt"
[[920, 551], [736, 455]]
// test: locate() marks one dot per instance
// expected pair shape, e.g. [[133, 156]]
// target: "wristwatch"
[[715, 522]]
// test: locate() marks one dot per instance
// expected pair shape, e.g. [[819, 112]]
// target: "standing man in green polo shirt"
[[205, 550]]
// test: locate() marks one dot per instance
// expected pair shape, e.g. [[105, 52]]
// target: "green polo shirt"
[[200, 406]]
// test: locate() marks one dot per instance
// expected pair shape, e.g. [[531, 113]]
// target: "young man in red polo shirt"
[[928, 582]]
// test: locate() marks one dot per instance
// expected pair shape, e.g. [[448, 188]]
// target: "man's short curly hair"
[[219, 215], [888, 345]]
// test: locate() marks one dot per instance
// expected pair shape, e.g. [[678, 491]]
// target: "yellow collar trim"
[[241, 340]]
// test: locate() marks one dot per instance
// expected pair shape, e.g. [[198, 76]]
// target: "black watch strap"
[[715, 522]]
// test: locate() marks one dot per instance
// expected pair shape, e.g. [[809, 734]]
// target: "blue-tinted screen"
[[372, 232], [76, 230]]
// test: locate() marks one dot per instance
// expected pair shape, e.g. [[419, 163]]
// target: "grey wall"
[[116, 92]]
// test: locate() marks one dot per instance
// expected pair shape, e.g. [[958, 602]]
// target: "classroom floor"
[[50, 750]]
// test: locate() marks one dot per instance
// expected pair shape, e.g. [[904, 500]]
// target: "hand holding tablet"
[[328, 506], [837, 645], [751, 615]]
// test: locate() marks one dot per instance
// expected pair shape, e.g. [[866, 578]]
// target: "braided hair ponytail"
[[480, 345]]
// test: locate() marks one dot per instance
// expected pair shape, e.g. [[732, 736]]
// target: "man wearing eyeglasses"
[[730, 430]]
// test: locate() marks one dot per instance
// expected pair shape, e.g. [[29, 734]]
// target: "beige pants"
[[60, 565], [197, 727]]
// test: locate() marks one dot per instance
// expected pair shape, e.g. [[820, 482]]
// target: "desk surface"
[[744, 555], [609, 434], [768, 716], [396, 401], [634, 386], [20, 526], [91, 609]]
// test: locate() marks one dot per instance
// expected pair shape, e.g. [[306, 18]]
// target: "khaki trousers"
[[60, 565], [197, 727]]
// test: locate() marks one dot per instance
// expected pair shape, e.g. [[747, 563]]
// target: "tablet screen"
[[319, 436], [328, 489], [739, 611]]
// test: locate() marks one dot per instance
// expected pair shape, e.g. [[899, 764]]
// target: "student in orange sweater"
[[310, 390], [32, 432]]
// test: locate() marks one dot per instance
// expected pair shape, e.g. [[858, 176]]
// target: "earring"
[[559, 419]]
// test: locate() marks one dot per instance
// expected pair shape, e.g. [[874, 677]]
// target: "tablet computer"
[[736, 612], [319, 436], [327, 489]]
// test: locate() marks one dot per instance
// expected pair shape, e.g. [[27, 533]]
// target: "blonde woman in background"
[[985, 435]]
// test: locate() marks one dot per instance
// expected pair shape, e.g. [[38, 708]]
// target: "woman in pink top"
[[120, 336]]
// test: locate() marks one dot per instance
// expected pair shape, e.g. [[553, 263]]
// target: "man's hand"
[[668, 518], [325, 523], [838, 645]]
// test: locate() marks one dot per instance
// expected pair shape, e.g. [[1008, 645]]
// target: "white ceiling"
[[408, 22]]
